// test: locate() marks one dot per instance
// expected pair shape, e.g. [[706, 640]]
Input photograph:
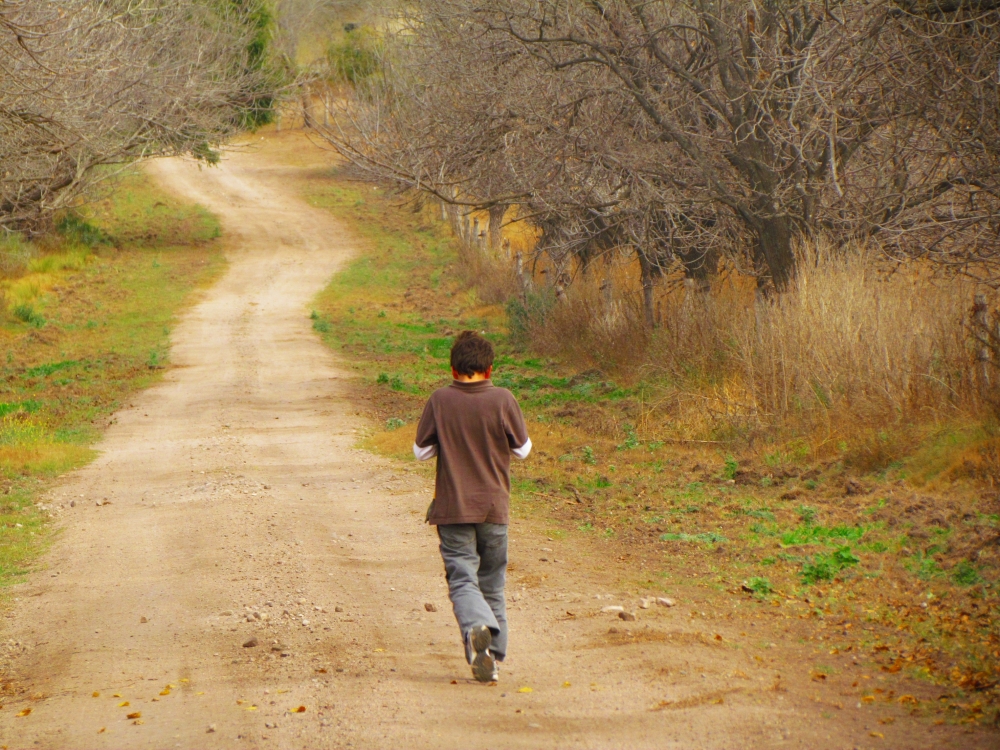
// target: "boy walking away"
[[474, 428]]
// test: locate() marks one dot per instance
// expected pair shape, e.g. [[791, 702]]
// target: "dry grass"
[[856, 347]]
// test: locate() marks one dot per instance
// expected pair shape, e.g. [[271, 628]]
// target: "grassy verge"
[[84, 324], [868, 565]]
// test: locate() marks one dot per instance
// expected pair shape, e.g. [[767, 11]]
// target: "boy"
[[473, 428]]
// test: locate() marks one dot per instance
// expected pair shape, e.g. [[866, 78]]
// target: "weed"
[[588, 455], [26, 313], [809, 484], [807, 513], [396, 383], [383, 378], [965, 574], [730, 468], [707, 537], [394, 423], [79, 231], [759, 585], [825, 567], [631, 439]]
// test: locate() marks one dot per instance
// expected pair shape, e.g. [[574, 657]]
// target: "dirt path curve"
[[237, 509]]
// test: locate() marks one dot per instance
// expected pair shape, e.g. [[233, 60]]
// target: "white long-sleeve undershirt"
[[423, 454]]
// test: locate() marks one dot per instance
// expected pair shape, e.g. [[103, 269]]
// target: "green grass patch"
[[111, 282]]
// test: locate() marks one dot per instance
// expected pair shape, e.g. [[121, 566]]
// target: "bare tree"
[[676, 130], [87, 85]]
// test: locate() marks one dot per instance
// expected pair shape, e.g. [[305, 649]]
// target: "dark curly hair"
[[471, 353]]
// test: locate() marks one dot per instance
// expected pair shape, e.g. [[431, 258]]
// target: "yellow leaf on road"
[[96, 694], [134, 715], [299, 710], [524, 690], [25, 712], [165, 691], [123, 704], [566, 684], [117, 695], [876, 734]]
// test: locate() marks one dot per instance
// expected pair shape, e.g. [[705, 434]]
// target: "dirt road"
[[228, 504]]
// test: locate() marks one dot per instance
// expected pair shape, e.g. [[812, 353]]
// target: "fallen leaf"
[[321, 671], [454, 682], [134, 715], [908, 699], [877, 734], [102, 730], [299, 710], [524, 690], [117, 695], [123, 704], [718, 637], [96, 694], [138, 721], [379, 650], [867, 698], [566, 684], [200, 692], [170, 687], [165, 691], [24, 712], [185, 679], [887, 720], [240, 702], [251, 708]]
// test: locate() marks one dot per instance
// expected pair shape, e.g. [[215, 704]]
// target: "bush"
[[15, 254]]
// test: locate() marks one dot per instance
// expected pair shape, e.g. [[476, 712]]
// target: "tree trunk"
[[647, 272], [774, 241], [496, 226]]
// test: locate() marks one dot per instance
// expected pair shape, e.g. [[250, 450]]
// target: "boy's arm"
[[517, 431], [425, 445]]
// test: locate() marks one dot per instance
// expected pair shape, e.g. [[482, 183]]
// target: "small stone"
[[338, 608], [612, 608], [226, 613], [72, 503], [211, 729], [627, 616], [256, 615], [665, 601], [251, 643], [249, 618], [612, 630], [305, 622], [302, 601], [430, 606], [645, 602]]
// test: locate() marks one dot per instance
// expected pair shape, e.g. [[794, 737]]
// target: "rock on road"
[[239, 510]]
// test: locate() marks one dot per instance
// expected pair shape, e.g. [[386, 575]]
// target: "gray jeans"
[[475, 564]]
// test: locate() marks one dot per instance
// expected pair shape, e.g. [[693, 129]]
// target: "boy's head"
[[471, 354]]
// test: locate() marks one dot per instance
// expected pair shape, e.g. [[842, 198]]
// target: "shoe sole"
[[483, 667], [482, 664]]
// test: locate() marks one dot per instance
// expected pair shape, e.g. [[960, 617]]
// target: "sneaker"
[[484, 666]]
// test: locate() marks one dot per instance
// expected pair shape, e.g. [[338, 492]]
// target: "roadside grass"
[[898, 574], [86, 323]]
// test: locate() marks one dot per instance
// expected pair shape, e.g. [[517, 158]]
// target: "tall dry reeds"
[[855, 344]]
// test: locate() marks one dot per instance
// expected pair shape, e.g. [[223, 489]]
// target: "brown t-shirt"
[[475, 426]]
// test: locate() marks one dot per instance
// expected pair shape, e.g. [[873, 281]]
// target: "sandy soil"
[[237, 508]]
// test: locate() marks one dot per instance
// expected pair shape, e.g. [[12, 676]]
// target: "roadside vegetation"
[[85, 317], [872, 548]]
